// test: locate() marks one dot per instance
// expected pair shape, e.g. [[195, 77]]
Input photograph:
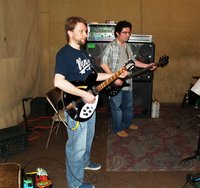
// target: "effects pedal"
[[28, 182], [194, 180]]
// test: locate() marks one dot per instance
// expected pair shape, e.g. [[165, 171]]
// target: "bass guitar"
[[113, 90], [76, 107]]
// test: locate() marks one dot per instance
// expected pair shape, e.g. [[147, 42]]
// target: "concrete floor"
[[53, 161]]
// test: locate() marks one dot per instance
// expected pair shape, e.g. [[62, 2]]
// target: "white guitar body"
[[88, 109]]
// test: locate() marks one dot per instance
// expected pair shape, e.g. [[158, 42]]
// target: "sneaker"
[[86, 185], [133, 127], [122, 133], [93, 166]]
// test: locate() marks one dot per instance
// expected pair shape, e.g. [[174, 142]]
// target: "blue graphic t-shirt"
[[73, 64]]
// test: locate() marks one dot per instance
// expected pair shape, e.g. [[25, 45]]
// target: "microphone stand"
[[197, 152]]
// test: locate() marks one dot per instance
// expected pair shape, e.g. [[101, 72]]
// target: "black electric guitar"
[[113, 90], [76, 107]]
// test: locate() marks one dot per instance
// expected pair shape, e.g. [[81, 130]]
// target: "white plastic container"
[[155, 112], [158, 110]]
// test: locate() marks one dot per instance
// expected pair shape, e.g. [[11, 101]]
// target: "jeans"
[[121, 107], [78, 148]]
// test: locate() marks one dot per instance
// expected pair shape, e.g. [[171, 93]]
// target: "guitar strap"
[[127, 53], [93, 62], [127, 83], [95, 66]]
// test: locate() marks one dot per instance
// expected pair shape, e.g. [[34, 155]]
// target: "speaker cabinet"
[[144, 52], [142, 98], [95, 49]]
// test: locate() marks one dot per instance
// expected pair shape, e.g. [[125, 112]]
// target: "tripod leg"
[[198, 148], [197, 153], [184, 101]]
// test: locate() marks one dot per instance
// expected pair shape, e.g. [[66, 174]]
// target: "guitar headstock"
[[163, 61], [129, 65]]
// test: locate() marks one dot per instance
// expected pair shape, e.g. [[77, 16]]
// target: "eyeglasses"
[[125, 33]]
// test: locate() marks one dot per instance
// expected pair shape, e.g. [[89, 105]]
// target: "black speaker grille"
[[144, 52]]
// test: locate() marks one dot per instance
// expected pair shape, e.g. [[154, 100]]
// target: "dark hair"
[[122, 24], [71, 22]]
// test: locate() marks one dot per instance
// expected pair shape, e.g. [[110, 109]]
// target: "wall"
[[32, 31], [19, 58]]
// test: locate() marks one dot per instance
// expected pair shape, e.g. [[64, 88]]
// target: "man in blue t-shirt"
[[74, 64]]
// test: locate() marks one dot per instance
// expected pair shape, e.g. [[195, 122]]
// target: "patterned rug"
[[159, 144]]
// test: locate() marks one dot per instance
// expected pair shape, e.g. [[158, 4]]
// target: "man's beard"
[[81, 42]]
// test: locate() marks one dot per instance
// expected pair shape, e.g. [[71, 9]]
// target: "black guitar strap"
[[93, 62], [127, 53], [96, 66]]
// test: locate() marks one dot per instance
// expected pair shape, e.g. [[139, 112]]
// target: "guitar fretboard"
[[109, 80], [163, 61]]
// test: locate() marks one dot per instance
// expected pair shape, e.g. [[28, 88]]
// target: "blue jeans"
[[78, 148], [121, 107]]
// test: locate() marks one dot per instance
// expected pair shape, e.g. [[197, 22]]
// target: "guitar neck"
[[132, 75], [163, 61], [109, 80]]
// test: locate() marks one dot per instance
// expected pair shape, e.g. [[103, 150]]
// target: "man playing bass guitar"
[[114, 55]]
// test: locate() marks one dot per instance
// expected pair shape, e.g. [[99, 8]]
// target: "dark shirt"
[[73, 64]]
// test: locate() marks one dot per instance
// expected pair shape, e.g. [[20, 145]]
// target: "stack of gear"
[[38, 179]]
